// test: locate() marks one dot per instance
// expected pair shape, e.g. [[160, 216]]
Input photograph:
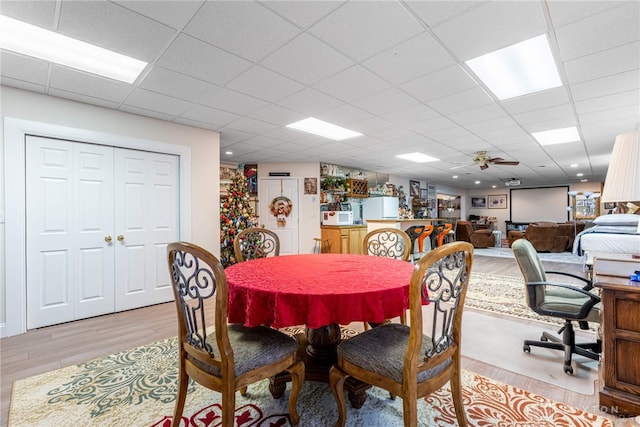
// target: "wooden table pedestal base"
[[317, 349]]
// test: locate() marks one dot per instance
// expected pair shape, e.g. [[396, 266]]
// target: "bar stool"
[[321, 246], [418, 233], [446, 228]]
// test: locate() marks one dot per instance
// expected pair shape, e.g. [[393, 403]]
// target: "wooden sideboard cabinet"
[[343, 239], [620, 374]]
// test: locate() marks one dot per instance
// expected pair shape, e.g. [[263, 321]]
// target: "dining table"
[[318, 292]]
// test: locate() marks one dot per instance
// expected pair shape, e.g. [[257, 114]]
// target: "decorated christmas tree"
[[236, 214]]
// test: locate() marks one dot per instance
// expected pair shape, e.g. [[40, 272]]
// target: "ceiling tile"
[[90, 85], [461, 101], [244, 28], [409, 60], [234, 102], [151, 101], [351, 84], [83, 98], [264, 84], [168, 82], [566, 12], [206, 114], [602, 64], [593, 34], [201, 60], [537, 101], [113, 27], [310, 102], [623, 99], [40, 13], [364, 29], [247, 124], [563, 111], [23, 68], [440, 83], [413, 114], [306, 60], [492, 26], [344, 115], [385, 102], [302, 14], [629, 80], [276, 115], [175, 14], [435, 12]]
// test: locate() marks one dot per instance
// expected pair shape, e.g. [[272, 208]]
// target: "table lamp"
[[622, 183]]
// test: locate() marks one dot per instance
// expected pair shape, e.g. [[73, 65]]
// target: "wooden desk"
[[620, 391]]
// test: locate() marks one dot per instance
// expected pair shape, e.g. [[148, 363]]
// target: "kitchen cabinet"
[[343, 239]]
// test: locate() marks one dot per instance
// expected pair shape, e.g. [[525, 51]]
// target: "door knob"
[[107, 239], [120, 238]]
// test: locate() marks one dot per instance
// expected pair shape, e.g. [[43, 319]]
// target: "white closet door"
[[69, 213], [270, 189], [146, 207]]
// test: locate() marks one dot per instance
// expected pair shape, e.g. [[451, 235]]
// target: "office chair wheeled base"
[[567, 344]]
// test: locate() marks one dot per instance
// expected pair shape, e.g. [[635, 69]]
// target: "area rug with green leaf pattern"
[[138, 388]]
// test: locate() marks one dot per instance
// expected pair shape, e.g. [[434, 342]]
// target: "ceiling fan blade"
[[507, 162], [483, 167]]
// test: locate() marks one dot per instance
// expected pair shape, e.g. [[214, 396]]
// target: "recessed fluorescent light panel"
[[417, 157], [557, 136], [324, 129], [519, 69], [31, 40]]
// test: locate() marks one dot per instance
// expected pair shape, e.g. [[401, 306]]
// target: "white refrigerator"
[[380, 208]]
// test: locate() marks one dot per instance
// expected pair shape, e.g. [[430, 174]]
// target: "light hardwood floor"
[[53, 347]]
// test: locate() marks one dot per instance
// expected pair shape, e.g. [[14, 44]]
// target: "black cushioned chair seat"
[[253, 348], [391, 340]]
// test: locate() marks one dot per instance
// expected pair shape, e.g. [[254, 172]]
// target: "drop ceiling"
[[393, 71]]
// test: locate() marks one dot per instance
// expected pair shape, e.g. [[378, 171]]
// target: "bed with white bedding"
[[611, 235]]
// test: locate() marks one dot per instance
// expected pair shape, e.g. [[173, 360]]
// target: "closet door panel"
[[147, 220], [69, 217]]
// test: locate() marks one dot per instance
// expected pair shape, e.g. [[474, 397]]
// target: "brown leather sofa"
[[478, 238], [542, 235], [548, 236]]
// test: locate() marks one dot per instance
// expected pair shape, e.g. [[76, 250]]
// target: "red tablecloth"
[[317, 290]]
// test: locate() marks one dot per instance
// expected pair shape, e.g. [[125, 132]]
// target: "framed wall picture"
[[497, 201], [414, 188], [311, 186], [479, 202]]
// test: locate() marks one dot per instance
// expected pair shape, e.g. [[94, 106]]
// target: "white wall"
[[309, 213], [204, 144]]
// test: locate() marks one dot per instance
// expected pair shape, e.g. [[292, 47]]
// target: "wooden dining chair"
[[406, 360], [229, 357], [253, 243], [388, 242]]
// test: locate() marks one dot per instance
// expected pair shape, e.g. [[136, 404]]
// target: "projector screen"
[[540, 204]]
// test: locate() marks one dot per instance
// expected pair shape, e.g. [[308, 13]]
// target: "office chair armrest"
[[584, 310], [587, 287]]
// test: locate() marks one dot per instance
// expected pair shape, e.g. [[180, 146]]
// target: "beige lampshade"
[[623, 176]]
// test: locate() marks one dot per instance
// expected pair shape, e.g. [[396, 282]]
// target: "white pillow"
[[617, 219]]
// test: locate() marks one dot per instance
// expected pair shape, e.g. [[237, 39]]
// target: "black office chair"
[[565, 301]]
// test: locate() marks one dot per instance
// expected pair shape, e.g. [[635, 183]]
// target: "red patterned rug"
[[137, 388]]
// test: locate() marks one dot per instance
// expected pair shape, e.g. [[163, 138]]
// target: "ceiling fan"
[[482, 159]]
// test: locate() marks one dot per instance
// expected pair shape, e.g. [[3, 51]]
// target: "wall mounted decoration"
[[497, 201]]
